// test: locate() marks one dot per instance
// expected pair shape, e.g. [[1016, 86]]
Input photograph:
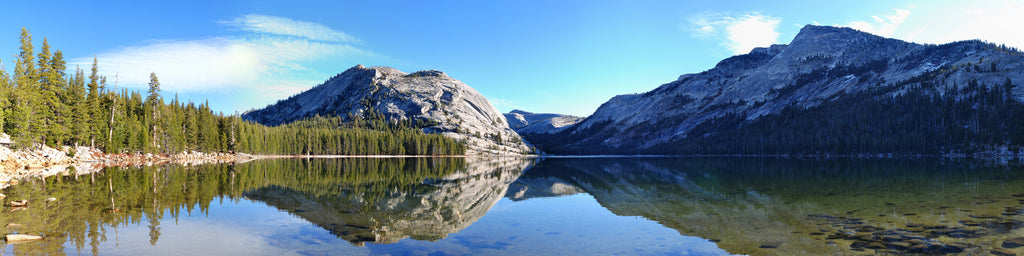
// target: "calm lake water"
[[591, 206]]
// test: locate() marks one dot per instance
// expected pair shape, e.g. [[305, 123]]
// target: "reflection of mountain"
[[674, 198], [762, 206], [536, 187], [385, 213], [86, 208]]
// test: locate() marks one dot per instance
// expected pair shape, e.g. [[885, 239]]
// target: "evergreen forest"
[[89, 207], [43, 102], [928, 117]]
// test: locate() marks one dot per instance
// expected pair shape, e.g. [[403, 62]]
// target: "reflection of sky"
[[245, 228], [575, 225]]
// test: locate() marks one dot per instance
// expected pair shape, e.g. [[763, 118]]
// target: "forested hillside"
[[832, 90], [984, 118], [44, 102]]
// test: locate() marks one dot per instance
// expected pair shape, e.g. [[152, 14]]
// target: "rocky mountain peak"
[[450, 107], [517, 111], [773, 50], [526, 123], [822, 43], [436, 73], [819, 66], [360, 70], [815, 33]]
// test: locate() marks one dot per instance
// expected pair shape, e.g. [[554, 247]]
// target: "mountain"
[[831, 90], [533, 123], [440, 104]]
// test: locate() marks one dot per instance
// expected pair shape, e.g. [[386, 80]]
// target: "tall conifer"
[[20, 122], [95, 110]]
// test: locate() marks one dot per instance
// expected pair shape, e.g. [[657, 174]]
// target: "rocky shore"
[[42, 161]]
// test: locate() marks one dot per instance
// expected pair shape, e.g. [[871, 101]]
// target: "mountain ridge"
[[538, 123], [434, 101], [820, 65]]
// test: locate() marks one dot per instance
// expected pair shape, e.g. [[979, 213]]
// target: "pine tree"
[[21, 123], [50, 107], [95, 110], [79, 110], [5, 93], [39, 103], [45, 99], [154, 104], [189, 126]]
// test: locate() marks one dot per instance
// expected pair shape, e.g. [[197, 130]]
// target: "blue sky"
[[541, 56]]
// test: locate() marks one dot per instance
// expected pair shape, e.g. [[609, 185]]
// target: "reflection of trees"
[[747, 203], [387, 212], [88, 207]]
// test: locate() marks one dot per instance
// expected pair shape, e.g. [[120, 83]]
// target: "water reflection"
[[792, 207], [359, 200], [385, 213], [751, 206]]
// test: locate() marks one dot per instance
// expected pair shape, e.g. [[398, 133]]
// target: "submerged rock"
[[21, 237], [770, 245], [1003, 252], [18, 203], [1014, 242], [875, 245]]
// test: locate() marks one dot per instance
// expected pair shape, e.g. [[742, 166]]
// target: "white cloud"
[[990, 20], [273, 52], [742, 33], [183, 65], [752, 31], [884, 25], [285, 26], [993, 21]]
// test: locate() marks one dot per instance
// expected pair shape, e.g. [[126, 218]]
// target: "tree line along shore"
[[43, 103]]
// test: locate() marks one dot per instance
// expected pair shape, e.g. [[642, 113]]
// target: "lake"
[[515, 206]]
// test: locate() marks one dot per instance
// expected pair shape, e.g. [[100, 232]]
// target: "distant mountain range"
[[832, 90], [532, 123]]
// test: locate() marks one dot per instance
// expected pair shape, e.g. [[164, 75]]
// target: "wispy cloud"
[[264, 24], [739, 33], [506, 105], [882, 25], [266, 60], [183, 65]]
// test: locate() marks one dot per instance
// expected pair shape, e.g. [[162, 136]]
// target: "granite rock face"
[[450, 107], [820, 65], [539, 123]]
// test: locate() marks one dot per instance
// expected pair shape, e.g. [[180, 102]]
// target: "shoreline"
[[43, 161]]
